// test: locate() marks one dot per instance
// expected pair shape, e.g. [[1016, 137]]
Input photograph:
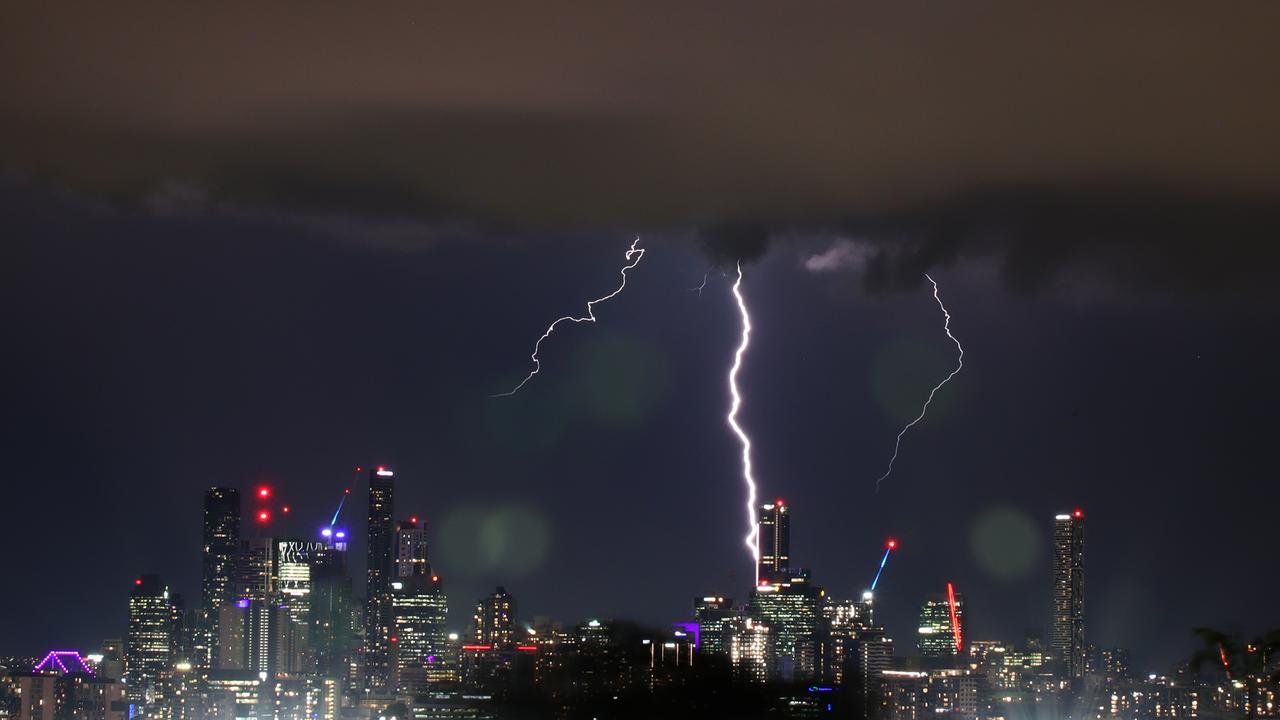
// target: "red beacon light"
[[284, 509], [1078, 514], [263, 516], [137, 581], [892, 543], [264, 491], [414, 519]]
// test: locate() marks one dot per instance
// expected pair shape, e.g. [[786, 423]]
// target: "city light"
[[60, 660]]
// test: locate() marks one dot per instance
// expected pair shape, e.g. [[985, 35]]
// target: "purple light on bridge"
[[65, 661]]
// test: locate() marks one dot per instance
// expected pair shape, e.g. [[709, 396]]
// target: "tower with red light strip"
[[1067, 639]]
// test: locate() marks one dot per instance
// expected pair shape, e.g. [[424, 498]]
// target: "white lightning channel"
[[752, 539], [703, 286], [633, 252], [946, 327]]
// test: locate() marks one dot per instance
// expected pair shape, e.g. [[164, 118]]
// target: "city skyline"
[[291, 259]]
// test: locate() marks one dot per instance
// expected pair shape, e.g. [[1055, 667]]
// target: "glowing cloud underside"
[[633, 252], [752, 539], [946, 327]]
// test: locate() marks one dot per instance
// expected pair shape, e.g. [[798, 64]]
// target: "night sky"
[[274, 244]]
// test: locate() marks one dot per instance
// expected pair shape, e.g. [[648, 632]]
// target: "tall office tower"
[[254, 636], [495, 619], [791, 611], [411, 549], [377, 614], [251, 571], [1067, 641], [149, 641], [942, 631], [872, 655], [418, 636], [750, 649], [331, 612], [841, 620], [774, 528], [221, 543], [713, 613]]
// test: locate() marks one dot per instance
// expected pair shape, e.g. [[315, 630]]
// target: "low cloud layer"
[[1035, 133]]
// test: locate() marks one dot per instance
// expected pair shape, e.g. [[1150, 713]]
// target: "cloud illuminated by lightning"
[[752, 539], [946, 326], [633, 252]]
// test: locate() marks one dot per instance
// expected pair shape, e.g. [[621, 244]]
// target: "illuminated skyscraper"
[[791, 612], [221, 542], [942, 634], [774, 530], [713, 613], [418, 636], [411, 549], [377, 617], [1067, 640], [150, 640], [495, 619]]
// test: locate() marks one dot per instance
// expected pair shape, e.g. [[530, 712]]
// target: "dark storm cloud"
[[915, 118]]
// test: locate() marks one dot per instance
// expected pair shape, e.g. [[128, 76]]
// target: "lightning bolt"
[[946, 327], [633, 252], [703, 286], [752, 539]]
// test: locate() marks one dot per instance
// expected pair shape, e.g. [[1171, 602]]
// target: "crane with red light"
[[889, 547]]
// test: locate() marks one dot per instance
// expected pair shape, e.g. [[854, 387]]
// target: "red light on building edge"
[[264, 516], [138, 581]]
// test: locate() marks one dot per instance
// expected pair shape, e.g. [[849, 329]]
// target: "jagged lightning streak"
[[633, 251], [946, 327], [752, 539], [703, 286]]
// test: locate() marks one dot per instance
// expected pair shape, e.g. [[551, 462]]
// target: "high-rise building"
[[331, 611], [872, 655], [495, 619], [379, 569], [750, 649], [713, 613], [255, 636], [791, 612], [942, 631], [774, 538], [150, 640], [1067, 640], [418, 635], [221, 543], [411, 549], [62, 687]]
